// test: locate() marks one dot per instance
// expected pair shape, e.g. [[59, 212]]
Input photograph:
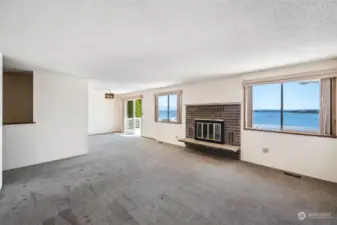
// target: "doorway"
[[133, 117]]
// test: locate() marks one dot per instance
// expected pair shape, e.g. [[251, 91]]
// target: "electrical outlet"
[[265, 150]]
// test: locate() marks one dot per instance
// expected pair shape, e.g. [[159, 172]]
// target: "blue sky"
[[163, 102], [296, 96]]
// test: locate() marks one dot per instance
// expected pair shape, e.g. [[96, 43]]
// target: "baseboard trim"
[[45, 162], [112, 132], [285, 172], [148, 138]]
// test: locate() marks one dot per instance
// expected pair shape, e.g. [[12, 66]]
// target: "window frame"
[[179, 106], [248, 105]]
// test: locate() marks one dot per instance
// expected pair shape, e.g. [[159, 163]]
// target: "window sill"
[[291, 132], [163, 121], [22, 123]]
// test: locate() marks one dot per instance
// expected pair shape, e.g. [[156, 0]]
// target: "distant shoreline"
[[316, 111], [308, 111]]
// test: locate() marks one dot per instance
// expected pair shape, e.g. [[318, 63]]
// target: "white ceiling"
[[129, 45]]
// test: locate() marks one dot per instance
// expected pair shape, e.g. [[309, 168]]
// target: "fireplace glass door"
[[208, 130]]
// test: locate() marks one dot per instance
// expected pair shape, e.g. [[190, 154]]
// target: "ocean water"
[[293, 121], [163, 114], [271, 120]]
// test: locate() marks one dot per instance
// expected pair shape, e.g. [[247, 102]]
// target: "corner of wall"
[[102, 112], [1, 69]]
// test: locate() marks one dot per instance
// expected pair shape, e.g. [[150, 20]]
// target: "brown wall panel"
[[17, 97]]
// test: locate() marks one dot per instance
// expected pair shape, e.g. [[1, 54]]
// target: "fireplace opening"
[[209, 130]]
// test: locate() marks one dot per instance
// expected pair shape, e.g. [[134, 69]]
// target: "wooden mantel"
[[211, 145]]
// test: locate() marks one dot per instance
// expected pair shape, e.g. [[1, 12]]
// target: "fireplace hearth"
[[210, 130]]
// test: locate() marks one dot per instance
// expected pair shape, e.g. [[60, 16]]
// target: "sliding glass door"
[[133, 116]]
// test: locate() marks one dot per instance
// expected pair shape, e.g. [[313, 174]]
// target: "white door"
[[133, 116]]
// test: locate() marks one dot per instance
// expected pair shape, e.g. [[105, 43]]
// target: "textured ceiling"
[[129, 45]]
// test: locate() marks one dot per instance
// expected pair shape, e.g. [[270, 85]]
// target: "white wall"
[[216, 91], [1, 62], [102, 113], [61, 128], [311, 156]]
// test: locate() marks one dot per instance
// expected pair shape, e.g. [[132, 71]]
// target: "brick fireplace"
[[207, 116]]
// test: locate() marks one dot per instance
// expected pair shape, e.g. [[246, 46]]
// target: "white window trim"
[[331, 122], [179, 106]]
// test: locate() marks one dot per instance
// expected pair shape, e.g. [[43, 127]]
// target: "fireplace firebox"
[[209, 130]]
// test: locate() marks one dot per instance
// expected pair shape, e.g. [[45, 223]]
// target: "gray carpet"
[[135, 181]]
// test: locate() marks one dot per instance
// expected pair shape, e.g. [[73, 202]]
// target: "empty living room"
[[168, 112]]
